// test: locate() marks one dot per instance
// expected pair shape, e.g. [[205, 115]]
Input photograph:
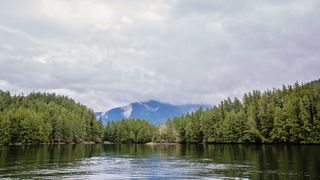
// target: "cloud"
[[110, 53]]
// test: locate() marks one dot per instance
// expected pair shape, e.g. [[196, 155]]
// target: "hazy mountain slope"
[[154, 111]]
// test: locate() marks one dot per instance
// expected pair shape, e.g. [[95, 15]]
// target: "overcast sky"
[[110, 53]]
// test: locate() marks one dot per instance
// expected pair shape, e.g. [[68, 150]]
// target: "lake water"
[[123, 161]]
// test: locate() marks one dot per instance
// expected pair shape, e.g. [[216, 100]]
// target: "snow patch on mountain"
[[149, 108]]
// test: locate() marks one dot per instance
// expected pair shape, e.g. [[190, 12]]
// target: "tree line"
[[287, 115], [46, 118]]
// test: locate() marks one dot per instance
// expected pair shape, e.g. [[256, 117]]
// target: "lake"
[[130, 161]]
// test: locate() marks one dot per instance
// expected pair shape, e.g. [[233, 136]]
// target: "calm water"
[[160, 161]]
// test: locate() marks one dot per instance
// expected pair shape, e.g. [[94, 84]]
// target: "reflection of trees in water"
[[267, 161], [38, 155], [238, 160], [142, 149]]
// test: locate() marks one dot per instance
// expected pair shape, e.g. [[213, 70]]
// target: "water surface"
[[130, 161]]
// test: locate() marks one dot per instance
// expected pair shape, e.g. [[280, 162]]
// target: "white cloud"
[[110, 53], [77, 13], [126, 19], [127, 111]]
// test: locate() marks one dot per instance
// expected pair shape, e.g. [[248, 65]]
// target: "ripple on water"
[[216, 162], [119, 167]]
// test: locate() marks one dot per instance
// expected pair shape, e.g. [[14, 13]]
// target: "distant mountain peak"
[[154, 111], [151, 101]]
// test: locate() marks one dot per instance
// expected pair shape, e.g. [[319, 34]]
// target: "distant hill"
[[154, 111]]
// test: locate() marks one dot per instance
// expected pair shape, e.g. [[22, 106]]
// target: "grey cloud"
[[107, 53]]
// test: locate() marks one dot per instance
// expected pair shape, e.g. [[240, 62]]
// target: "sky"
[[107, 53]]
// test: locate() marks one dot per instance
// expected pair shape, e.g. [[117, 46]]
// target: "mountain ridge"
[[156, 112]]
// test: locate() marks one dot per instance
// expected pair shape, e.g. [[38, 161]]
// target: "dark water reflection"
[[122, 161]]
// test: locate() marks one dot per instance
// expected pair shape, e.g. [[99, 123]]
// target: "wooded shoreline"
[[289, 115], [153, 143]]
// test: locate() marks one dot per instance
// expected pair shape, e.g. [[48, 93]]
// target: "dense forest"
[[287, 115], [46, 118], [130, 131]]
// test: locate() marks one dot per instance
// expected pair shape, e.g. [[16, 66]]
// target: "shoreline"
[[148, 143], [48, 143], [167, 144]]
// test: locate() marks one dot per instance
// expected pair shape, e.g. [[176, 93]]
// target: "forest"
[[46, 118], [287, 115], [130, 131], [290, 114]]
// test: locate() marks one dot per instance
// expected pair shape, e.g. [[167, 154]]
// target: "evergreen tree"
[[45, 117]]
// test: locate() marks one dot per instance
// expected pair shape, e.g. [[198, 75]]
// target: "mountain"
[[154, 111]]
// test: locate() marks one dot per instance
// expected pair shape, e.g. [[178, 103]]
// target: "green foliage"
[[167, 132], [43, 117], [287, 115], [130, 131]]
